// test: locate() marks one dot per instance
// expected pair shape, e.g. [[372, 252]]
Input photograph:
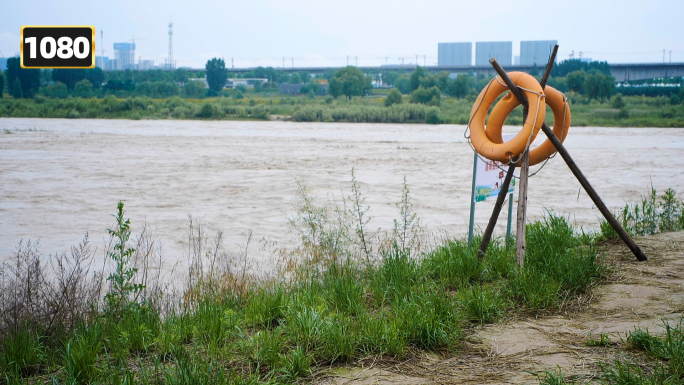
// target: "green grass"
[[333, 305], [665, 358]]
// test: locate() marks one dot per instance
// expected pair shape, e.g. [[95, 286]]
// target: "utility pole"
[[580, 53], [572, 54], [663, 56], [670, 56], [416, 59], [292, 62], [232, 62], [356, 61], [386, 58], [424, 60], [347, 60]]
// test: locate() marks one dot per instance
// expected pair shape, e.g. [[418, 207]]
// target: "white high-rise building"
[[455, 54], [502, 51]]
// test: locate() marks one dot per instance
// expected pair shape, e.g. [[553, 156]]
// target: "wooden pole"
[[593, 195], [575, 170], [522, 206]]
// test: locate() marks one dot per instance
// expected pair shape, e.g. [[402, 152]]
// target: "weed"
[[297, 364], [454, 263], [343, 289], [264, 347], [603, 340], [191, 369], [395, 277], [121, 278], [267, 307], [304, 326], [483, 305], [339, 342], [81, 354], [552, 377], [535, 290], [22, 352], [381, 334]]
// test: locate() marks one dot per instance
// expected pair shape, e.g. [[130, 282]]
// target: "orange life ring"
[[561, 122], [503, 152]]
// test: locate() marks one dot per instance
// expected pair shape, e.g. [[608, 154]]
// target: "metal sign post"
[[472, 201], [489, 181]]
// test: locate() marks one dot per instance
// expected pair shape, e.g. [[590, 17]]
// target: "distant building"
[[203, 80], [502, 51], [145, 64], [101, 62], [112, 65], [455, 54], [247, 82], [536, 52], [125, 55]]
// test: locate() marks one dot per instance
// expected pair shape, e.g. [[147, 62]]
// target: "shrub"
[[393, 97], [432, 116]]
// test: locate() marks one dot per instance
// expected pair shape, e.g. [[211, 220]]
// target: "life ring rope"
[[565, 109]]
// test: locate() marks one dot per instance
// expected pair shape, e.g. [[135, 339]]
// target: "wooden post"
[[573, 167], [522, 207]]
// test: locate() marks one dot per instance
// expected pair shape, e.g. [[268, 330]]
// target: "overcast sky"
[[320, 33]]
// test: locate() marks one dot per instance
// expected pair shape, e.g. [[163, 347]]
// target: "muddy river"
[[62, 178]]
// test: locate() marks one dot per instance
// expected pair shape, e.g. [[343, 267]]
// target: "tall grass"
[[651, 215], [344, 293]]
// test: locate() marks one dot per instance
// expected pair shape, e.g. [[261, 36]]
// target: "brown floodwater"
[[62, 178]]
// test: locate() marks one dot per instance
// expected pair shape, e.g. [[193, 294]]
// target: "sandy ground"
[[62, 178], [637, 294]]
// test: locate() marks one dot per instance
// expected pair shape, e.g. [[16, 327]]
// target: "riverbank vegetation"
[[417, 97], [345, 293]]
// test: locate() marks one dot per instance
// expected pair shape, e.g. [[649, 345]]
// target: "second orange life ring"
[[561, 121]]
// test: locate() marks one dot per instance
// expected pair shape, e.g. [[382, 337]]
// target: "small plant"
[[552, 377], [267, 307], [81, 353], [603, 340], [338, 340], [22, 352], [405, 229], [359, 213], [482, 305], [297, 364], [122, 277], [264, 347]]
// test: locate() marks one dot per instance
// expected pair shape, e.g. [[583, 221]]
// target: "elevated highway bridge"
[[622, 72]]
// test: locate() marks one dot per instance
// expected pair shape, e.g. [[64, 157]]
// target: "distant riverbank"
[[628, 111]]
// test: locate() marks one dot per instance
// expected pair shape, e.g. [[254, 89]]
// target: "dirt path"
[[637, 294]]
